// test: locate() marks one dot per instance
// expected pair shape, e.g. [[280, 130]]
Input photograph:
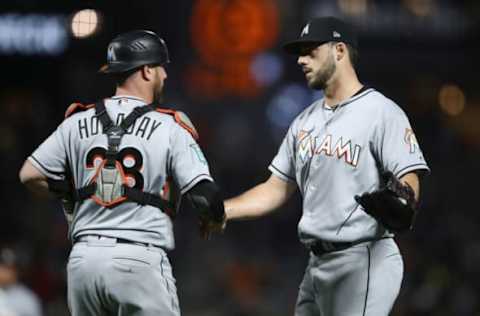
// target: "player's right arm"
[[273, 193], [260, 200], [34, 180], [45, 165]]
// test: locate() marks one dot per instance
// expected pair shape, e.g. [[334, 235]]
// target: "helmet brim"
[[114, 68]]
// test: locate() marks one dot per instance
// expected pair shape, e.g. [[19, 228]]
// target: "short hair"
[[121, 77], [353, 54]]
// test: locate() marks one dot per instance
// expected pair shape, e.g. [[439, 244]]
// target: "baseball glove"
[[393, 205]]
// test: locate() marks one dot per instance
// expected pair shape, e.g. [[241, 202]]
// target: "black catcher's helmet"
[[134, 49]]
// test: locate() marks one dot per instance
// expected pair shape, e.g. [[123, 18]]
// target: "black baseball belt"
[[88, 238], [321, 247]]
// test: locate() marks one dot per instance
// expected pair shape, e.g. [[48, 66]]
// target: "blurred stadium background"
[[229, 74]]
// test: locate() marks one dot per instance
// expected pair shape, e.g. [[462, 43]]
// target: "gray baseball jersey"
[[335, 153], [153, 148]]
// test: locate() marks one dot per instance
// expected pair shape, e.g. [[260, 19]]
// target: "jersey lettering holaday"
[[154, 148], [144, 127], [334, 154]]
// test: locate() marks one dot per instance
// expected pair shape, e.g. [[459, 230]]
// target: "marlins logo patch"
[[305, 30], [306, 144], [198, 153], [111, 54], [411, 140]]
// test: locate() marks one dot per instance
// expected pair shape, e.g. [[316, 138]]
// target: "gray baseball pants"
[[363, 280], [121, 279]]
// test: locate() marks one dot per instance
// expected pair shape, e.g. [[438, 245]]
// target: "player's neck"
[[135, 91], [342, 89]]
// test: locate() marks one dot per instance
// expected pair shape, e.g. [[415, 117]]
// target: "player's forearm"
[[205, 196], [34, 180], [256, 202], [38, 187], [253, 203], [414, 182]]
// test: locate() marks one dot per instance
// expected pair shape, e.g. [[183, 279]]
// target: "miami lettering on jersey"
[[144, 127], [329, 146]]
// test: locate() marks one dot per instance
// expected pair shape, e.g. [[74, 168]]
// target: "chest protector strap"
[[109, 185]]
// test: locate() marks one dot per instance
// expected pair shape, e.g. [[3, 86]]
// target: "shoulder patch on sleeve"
[[182, 120], [77, 107]]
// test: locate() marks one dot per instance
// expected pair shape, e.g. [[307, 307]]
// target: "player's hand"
[[393, 204], [209, 226]]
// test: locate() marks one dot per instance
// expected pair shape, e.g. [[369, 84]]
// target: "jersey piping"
[[45, 169]]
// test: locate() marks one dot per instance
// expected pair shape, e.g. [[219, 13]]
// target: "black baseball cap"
[[322, 30]]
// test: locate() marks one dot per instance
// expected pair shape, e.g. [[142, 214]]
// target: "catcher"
[[108, 163]]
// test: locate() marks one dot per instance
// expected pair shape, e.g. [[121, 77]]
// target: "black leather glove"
[[393, 205]]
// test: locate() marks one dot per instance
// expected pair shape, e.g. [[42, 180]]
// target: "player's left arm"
[[413, 181], [395, 202], [189, 168], [206, 198], [396, 148]]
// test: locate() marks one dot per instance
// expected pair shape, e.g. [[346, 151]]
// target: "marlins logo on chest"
[[328, 146]]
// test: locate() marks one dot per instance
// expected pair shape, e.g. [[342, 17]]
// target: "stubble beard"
[[321, 78], [158, 96]]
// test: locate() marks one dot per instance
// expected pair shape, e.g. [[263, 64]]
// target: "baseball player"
[[108, 162], [15, 298], [354, 158]]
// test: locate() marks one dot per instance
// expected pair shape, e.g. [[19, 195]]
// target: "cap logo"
[[305, 30], [336, 34], [111, 54]]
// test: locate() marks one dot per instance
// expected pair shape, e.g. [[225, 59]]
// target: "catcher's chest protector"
[[109, 184]]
